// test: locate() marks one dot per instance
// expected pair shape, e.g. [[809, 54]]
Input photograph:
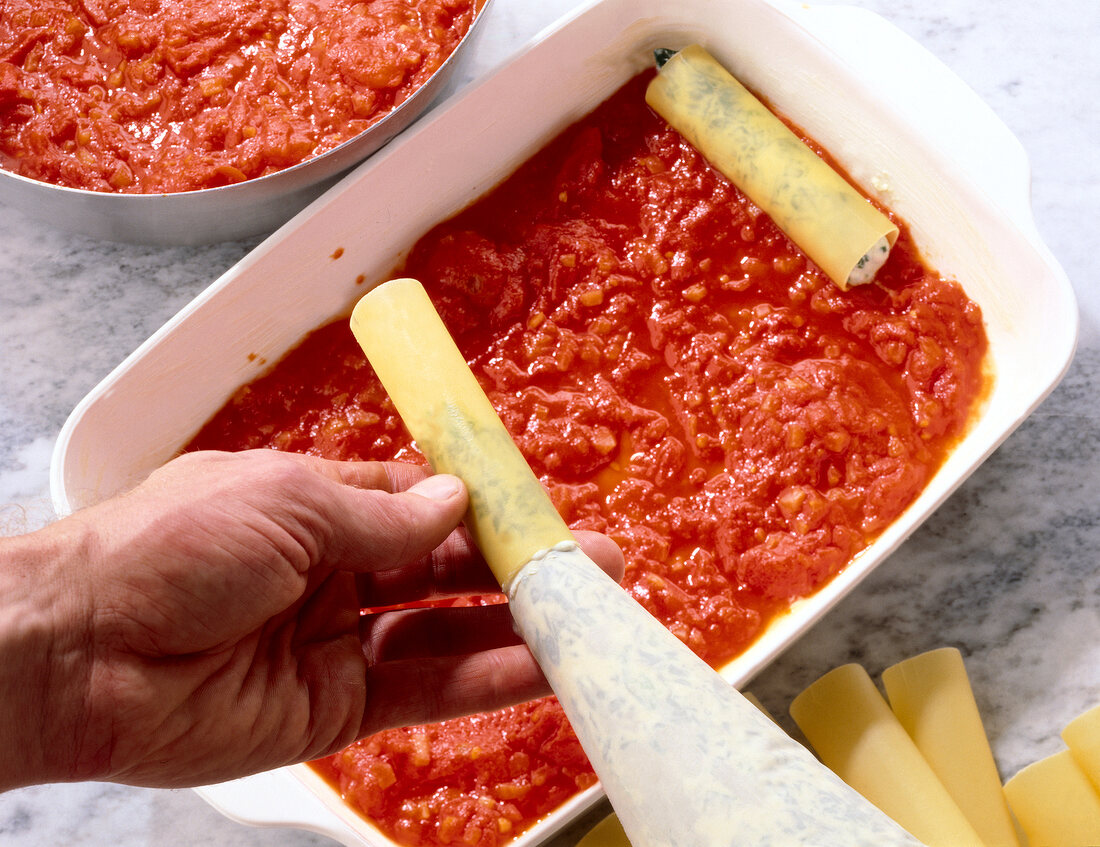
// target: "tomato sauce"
[[680, 377], [475, 780], [151, 96]]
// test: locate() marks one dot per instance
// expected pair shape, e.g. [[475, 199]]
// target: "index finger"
[[456, 569], [391, 477], [453, 569]]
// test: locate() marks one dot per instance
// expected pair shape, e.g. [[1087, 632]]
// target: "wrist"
[[44, 658]]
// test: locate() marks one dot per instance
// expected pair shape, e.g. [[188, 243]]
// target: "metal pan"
[[229, 212]]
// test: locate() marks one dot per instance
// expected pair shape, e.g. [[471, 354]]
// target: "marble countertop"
[[1007, 570]]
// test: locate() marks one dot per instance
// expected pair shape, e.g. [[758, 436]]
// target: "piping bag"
[[685, 760]]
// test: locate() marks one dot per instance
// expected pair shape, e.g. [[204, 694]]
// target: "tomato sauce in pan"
[[153, 96]]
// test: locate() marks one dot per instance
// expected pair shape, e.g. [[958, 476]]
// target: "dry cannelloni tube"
[[931, 696], [1055, 803], [1082, 736], [685, 760], [607, 833], [831, 222], [855, 733]]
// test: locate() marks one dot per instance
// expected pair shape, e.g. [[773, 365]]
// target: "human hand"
[[207, 624]]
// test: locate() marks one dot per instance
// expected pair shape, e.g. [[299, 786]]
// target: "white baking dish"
[[898, 121]]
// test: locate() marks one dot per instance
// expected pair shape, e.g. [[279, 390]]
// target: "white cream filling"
[[870, 263]]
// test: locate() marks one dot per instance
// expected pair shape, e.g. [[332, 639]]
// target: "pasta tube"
[[854, 732], [442, 405], [933, 701], [831, 222], [1082, 736], [1055, 802]]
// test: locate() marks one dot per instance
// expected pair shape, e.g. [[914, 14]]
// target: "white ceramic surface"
[[901, 124]]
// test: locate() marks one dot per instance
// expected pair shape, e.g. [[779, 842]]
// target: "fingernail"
[[438, 487]]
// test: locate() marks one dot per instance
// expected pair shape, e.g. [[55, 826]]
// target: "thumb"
[[440, 487], [387, 530]]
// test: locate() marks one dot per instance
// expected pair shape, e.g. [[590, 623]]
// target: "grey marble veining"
[[1008, 570]]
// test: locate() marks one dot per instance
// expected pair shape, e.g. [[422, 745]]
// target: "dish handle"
[[276, 799], [974, 137]]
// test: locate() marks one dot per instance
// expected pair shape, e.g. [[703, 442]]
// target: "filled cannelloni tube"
[[831, 222], [686, 761]]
